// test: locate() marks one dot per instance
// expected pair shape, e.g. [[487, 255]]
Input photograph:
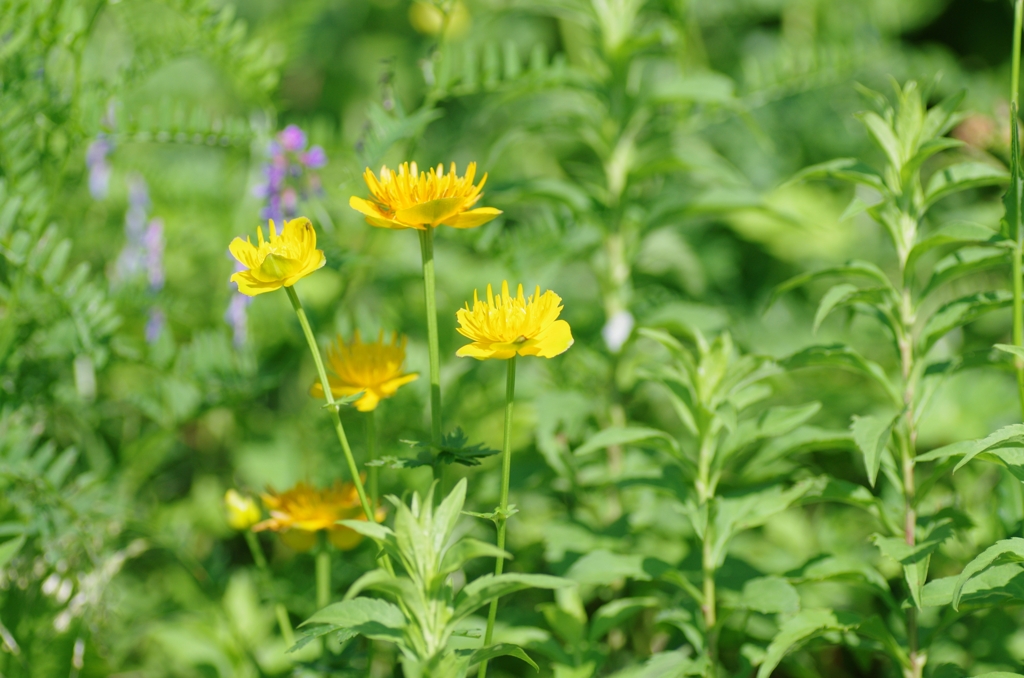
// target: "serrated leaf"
[[872, 434]]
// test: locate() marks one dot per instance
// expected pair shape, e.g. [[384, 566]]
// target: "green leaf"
[[915, 559], [884, 136], [501, 650], [483, 590], [623, 435], [1003, 550], [843, 357], [1014, 433], [772, 423], [603, 567], [454, 448], [960, 177], [965, 262], [872, 434], [803, 439], [9, 549], [855, 268], [1015, 351], [797, 630], [467, 549], [770, 595], [956, 233], [836, 296], [361, 614], [618, 611], [839, 568], [844, 169], [961, 312]]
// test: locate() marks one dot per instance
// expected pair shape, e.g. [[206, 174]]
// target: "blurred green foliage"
[[641, 153]]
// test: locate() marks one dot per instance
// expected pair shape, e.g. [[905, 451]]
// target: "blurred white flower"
[[617, 330]]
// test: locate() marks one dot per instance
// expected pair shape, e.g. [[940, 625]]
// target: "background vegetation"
[[641, 153]]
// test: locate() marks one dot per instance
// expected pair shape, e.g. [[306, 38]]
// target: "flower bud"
[[242, 512]]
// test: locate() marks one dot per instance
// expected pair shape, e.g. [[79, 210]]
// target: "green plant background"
[[640, 153]]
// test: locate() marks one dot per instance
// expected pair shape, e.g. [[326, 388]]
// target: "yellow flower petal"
[[504, 326], [409, 198], [473, 218], [374, 367], [279, 261]]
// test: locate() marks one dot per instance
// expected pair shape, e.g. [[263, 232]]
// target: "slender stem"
[[323, 577], [279, 609], [338, 427], [371, 455], [908, 450], [430, 299], [1018, 250], [502, 514], [1018, 15], [706, 492]]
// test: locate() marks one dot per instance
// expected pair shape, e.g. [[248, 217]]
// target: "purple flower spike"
[[99, 168], [155, 324], [236, 316], [314, 158], [153, 241], [292, 138]]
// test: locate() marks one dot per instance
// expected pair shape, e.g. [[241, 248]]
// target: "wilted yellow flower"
[[278, 262], [505, 326], [242, 511], [414, 199], [375, 369], [298, 514]]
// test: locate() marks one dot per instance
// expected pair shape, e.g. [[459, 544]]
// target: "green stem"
[[279, 609], [430, 300], [502, 514], [709, 606], [371, 455], [323, 577], [350, 460], [1018, 250]]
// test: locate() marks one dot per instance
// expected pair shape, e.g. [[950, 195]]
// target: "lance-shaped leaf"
[[854, 268], [467, 549], [961, 312], [956, 233], [1004, 550], [610, 615], [501, 650], [800, 628], [483, 590], [843, 357], [772, 423], [624, 435], [802, 440], [965, 262], [1008, 435], [872, 434], [915, 558], [370, 617], [847, 569], [960, 177], [885, 137], [769, 595], [845, 294]]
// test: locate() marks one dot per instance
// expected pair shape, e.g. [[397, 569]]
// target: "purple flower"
[[155, 324], [292, 138], [153, 243], [237, 317], [290, 202], [99, 168], [314, 158]]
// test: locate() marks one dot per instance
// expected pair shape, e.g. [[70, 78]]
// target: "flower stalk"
[[501, 515], [280, 611], [430, 301], [1018, 245], [371, 455], [338, 427]]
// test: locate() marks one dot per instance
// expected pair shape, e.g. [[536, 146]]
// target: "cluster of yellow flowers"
[[502, 327]]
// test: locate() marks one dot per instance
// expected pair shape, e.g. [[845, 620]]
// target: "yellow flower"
[[279, 262], [298, 514], [506, 326], [375, 369], [242, 511], [414, 199]]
